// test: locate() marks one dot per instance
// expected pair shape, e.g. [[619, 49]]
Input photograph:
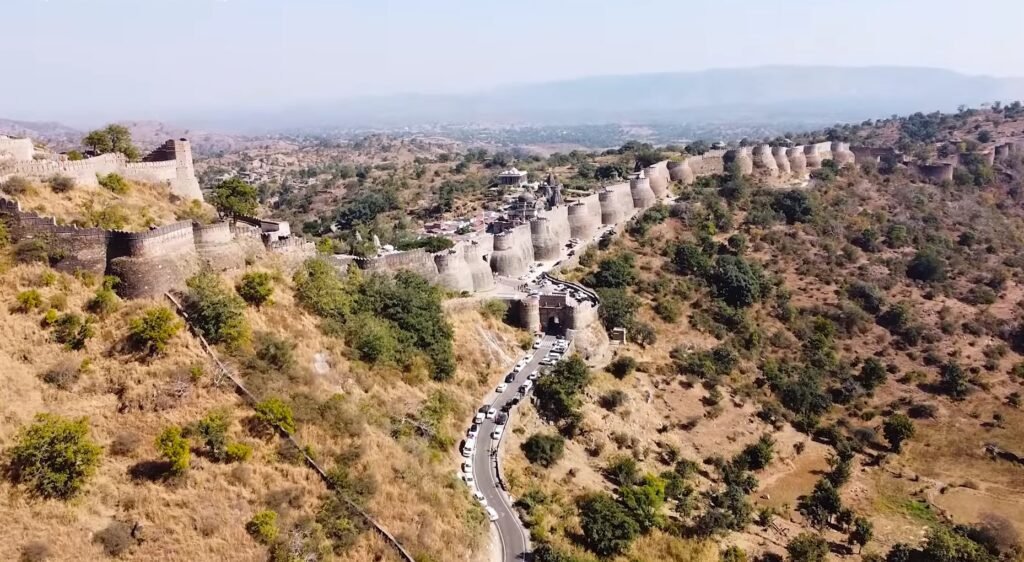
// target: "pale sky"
[[85, 61]]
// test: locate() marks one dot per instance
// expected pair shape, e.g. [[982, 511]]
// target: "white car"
[[547, 361], [525, 387], [467, 466], [496, 434], [478, 496], [479, 418], [467, 449], [533, 376], [491, 413], [491, 514], [536, 344], [468, 479], [501, 388]]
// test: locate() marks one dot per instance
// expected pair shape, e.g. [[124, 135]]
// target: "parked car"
[[533, 375], [467, 466], [502, 387], [479, 417], [491, 514], [491, 413], [469, 480], [510, 377], [467, 447], [536, 344], [547, 361], [496, 434], [525, 387], [478, 496], [474, 430], [502, 417]]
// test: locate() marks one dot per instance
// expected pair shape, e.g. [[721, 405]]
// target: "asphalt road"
[[514, 537]]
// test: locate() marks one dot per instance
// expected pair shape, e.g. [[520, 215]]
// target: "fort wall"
[[170, 164], [781, 160], [658, 176], [17, 149], [640, 192], [764, 160]]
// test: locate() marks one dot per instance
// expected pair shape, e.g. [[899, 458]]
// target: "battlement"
[[147, 262], [17, 149], [170, 164]]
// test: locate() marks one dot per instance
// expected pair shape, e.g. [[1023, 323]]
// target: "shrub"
[[174, 448], [927, 266], [255, 288], [238, 452], [373, 339], [544, 450], [897, 429], [622, 366], [61, 184], [494, 308], [16, 185], [953, 381], [275, 413], [872, 374], [54, 456], [866, 296], [72, 330], [105, 301], [33, 250], [613, 273], [278, 353], [667, 309], [794, 205], [113, 182], [63, 375], [607, 527], [807, 547], [116, 538], [263, 526], [623, 471], [29, 300], [152, 331], [736, 281], [215, 312], [213, 430], [613, 399], [759, 454]]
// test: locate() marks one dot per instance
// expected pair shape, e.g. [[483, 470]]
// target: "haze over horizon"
[[86, 62]]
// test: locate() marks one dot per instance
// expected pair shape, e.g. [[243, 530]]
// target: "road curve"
[[515, 542]]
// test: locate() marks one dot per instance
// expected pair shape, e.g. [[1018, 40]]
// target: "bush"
[[72, 330], [607, 527], [238, 452], [174, 448], [113, 182], [263, 526], [215, 312], [613, 399], [63, 375], [61, 184], [807, 547], [373, 339], [276, 352], [16, 185], [105, 301], [494, 308], [794, 205], [28, 301], [275, 413], [213, 430], [759, 455], [927, 266], [613, 273], [622, 366], [54, 456], [116, 538], [544, 450], [152, 331], [255, 288], [736, 281]]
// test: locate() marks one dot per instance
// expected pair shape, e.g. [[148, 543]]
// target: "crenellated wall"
[[147, 263], [936, 172], [16, 149], [170, 164]]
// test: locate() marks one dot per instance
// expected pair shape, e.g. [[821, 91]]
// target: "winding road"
[[515, 542]]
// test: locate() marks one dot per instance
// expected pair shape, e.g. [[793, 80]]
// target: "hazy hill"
[[766, 94]]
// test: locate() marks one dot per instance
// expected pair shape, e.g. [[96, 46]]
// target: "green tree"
[[607, 527], [861, 533], [897, 429], [558, 391], [54, 456], [618, 308], [943, 545], [926, 265], [213, 430], [807, 547], [821, 504], [374, 340], [152, 331], [73, 330], [112, 138], [872, 374], [544, 450], [215, 311], [174, 448], [644, 502], [113, 182], [255, 288], [263, 526], [759, 454], [275, 413], [795, 205], [616, 272], [234, 197], [953, 380], [736, 281]]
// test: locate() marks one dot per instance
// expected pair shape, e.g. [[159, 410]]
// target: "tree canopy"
[[234, 197], [112, 138]]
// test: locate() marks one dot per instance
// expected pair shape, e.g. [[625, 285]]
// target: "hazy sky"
[[83, 61]]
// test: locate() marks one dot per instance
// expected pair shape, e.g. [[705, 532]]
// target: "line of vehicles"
[[500, 415]]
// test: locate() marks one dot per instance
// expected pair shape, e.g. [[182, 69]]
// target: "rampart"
[[16, 149], [147, 263], [170, 164]]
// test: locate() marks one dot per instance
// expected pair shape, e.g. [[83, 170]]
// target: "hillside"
[[818, 360]]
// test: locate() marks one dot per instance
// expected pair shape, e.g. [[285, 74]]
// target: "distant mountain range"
[[776, 98], [777, 94]]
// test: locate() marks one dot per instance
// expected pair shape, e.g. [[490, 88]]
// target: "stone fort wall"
[[147, 263], [170, 164]]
